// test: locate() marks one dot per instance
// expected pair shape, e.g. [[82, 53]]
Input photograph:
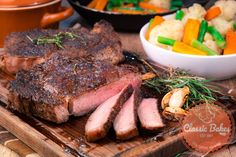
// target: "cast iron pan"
[[119, 21]]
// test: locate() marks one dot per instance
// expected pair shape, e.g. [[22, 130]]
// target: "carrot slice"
[[146, 5], [157, 20], [127, 11], [212, 13], [101, 4], [181, 47], [92, 4], [230, 43], [191, 30]]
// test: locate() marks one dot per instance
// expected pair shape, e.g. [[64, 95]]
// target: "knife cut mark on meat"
[[102, 118]]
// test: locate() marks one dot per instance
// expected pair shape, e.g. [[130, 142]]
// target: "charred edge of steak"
[[96, 135], [57, 113], [109, 43]]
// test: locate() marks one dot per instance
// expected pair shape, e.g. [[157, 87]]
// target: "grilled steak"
[[149, 115], [102, 118], [90, 100], [22, 53], [125, 122], [47, 89]]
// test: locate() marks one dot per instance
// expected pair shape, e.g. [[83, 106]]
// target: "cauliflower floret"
[[212, 45], [194, 12], [161, 3], [172, 29], [208, 37], [228, 9], [222, 25]]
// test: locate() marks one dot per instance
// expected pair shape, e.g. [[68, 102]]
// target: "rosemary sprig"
[[55, 39], [199, 88]]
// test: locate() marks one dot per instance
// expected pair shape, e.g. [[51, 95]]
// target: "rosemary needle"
[[55, 39], [199, 89]]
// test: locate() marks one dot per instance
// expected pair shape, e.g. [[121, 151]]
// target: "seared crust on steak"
[[55, 82], [21, 53]]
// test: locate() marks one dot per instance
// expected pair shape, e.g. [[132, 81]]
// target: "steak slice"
[[149, 115], [125, 124], [48, 88], [102, 118], [89, 101], [21, 53]]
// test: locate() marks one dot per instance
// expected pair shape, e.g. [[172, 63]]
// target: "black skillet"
[[124, 22]]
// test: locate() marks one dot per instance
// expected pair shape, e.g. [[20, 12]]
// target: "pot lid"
[[21, 3]]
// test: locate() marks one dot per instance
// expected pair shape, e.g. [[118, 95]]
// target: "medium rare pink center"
[[99, 117], [125, 119], [149, 114]]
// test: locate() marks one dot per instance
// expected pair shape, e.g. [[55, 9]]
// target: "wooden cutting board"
[[68, 139]]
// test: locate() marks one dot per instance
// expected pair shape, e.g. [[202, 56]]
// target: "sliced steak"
[[50, 87], [149, 115], [102, 118], [88, 101], [125, 124], [21, 53]]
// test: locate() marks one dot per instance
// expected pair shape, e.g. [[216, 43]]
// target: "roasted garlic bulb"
[[173, 102]]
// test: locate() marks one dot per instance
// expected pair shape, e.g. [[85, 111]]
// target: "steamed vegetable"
[[153, 23], [196, 31], [196, 12], [212, 13], [172, 29], [166, 41], [128, 10], [179, 15], [198, 45], [146, 5], [127, 6], [101, 4], [227, 8], [220, 41], [222, 25], [181, 47], [231, 43], [191, 30], [160, 3], [234, 25], [202, 31], [92, 4], [176, 4]]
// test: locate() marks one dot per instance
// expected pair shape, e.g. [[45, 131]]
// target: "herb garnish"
[[199, 88], [55, 39]]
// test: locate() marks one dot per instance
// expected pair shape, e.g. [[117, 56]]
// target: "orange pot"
[[21, 15]]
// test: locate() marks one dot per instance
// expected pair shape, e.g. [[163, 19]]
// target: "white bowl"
[[212, 67]]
